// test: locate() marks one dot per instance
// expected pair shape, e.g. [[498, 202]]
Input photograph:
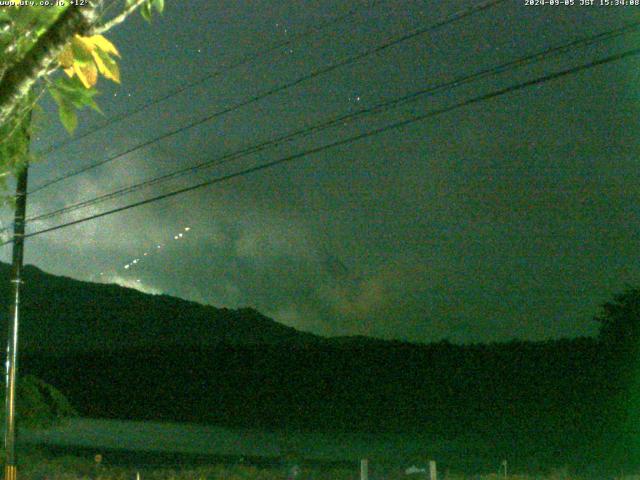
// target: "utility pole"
[[10, 469]]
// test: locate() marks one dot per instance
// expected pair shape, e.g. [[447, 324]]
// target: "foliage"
[[148, 6], [15, 151], [20, 27], [620, 341], [70, 95], [83, 60], [86, 56], [620, 320], [39, 404]]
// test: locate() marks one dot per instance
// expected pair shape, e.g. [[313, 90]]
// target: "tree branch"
[[117, 20], [18, 80]]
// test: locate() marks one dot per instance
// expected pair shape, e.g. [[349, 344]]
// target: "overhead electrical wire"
[[314, 74], [243, 60], [413, 96], [377, 131]]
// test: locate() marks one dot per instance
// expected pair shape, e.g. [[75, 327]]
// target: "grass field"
[[169, 451], [39, 467], [157, 440]]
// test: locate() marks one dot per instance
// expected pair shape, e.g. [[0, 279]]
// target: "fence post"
[[433, 473], [364, 469]]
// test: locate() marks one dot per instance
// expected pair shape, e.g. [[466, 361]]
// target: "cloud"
[[473, 226], [272, 238], [136, 284], [356, 299]]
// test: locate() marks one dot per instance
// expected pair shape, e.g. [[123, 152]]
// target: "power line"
[[584, 41], [316, 73], [393, 126], [241, 61]]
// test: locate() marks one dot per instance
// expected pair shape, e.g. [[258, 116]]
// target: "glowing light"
[[148, 253]]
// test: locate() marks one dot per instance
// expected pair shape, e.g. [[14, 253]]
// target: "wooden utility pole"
[[10, 469]]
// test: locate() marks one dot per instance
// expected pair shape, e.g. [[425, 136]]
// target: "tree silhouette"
[[619, 383], [620, 322]]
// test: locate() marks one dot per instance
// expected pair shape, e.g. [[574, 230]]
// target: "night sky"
[[511, 218]]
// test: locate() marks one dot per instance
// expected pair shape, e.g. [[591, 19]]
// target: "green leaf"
[[68, 117], [71, 95], [91, 103], [66, 110], [108, 66], [75, 92], [158, 5], [145, 10]]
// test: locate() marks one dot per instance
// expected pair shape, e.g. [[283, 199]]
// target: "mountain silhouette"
[[63, 315], [122, 354]]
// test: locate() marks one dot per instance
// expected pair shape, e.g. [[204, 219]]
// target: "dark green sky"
[[515, 217]]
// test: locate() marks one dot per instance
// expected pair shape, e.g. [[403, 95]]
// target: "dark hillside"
[[120, 353], [64, 315]]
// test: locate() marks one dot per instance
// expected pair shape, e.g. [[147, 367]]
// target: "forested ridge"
[[162, 358]]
